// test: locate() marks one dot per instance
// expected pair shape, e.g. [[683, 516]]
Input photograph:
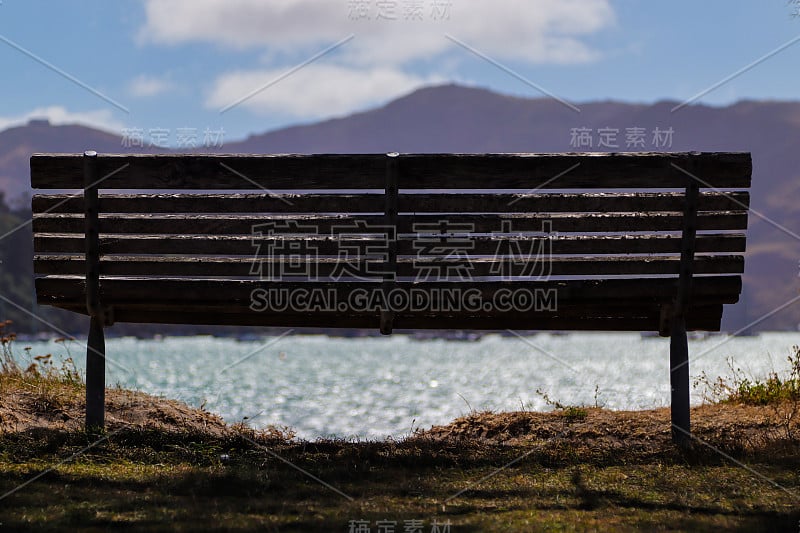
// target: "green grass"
[[771, 390], [741, 388], [166, 481], [569, 412]]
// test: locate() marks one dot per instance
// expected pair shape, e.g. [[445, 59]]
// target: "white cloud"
[[534, 31], [58, 115], [145, 86], [318, 90], [376, 65]]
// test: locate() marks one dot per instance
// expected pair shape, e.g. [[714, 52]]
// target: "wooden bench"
[[403, 241]]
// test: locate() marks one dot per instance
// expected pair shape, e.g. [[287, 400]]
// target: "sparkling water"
[[379, 387]]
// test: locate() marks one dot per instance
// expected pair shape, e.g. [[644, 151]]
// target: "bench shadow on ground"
[[143, 479]]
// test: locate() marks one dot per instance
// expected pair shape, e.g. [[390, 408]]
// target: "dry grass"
[[610, 471], [165, 466]]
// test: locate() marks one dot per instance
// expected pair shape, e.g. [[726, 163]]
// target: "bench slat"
[[198, 171], [212, 203], [68, 290], [616, 309], [417, 171], [559, 171], [702, 321], [328, 245], [343, 224], [407, 267], [419, 203]]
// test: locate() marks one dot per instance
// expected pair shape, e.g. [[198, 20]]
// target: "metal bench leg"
[[679, 381], [95, 377]]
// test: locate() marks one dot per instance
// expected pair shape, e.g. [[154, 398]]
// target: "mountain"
[[18, 143], [453, 118]]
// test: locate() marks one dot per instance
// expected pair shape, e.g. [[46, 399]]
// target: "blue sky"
[[188, 65]]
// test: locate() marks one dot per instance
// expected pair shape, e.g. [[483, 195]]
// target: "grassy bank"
[[163, 465]]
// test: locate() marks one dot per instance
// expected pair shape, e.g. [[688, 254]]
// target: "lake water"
[[379, 387]]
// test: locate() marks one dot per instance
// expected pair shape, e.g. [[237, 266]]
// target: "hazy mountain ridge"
[[460, 119]]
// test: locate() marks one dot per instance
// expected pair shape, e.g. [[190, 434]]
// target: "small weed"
[[8, 363], [51, 386], [570, 412], [597, 403], [781, 393], [38, 367], [740, 388], [575, 413]]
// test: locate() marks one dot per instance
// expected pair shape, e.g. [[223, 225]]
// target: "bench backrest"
[[173, 252]]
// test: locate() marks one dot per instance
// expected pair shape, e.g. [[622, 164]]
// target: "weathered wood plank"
[[331, 245], [195, 171], [705, 319], [553, 202], [115, 291], [552, 171], [419, 171], [166, 224], [212, 203], [616, 308], [421, 268], [407, 203]]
